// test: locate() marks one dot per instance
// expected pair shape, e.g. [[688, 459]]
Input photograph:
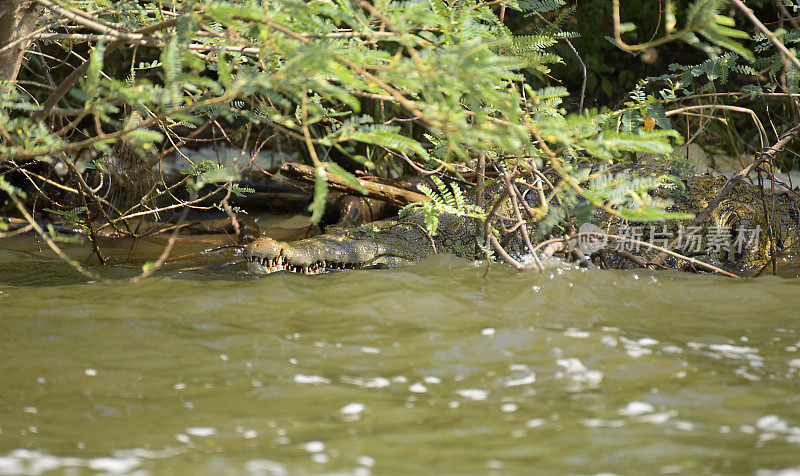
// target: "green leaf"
[[224, 70], [95, 66], [335, 169], [652, 214], [317, 207]]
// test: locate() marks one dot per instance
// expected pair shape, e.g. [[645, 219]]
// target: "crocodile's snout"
[[311, 256]]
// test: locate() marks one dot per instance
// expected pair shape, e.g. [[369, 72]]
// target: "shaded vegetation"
[[547, 94]]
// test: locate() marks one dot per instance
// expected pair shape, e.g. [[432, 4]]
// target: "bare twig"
[[640, 243], [766, 31], [80, 71], [761, 157]]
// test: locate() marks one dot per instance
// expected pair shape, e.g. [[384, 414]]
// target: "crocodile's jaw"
[[312, 256]]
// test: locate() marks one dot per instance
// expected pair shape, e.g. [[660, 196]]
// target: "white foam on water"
[[576, 334], [516, 382], [772, 423], [634, 349], [201, 431], [265, 467], [671, 349], [354, 408], [601, 423], [578, 374], [314, 446], [27, 462], [114, 465], [636, 408], [473, 393], [684, 425], [374, 382], [535, 422], [311, 379], [657, 418], [779, 472], [732, 349]]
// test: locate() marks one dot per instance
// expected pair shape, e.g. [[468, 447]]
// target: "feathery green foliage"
[[444, 199], [374, 85]]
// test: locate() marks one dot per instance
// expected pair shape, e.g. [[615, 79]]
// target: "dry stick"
[[760, 158], [583, 83], [759, 125], [489, 236], [630, 257], [86, 20], [637, 242], [18, 231], [183, 140], [206, 251], [144, 42], [50, 241], [394, 195], [480, 198], [53, 246], [90, 225], [786, 13], [164, 255], [515, 204], [766, 31]]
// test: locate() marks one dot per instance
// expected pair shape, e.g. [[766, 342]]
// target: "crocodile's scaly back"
[[404, 241], [738, 231]]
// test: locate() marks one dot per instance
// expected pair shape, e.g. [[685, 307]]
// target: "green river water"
[[435, 369]]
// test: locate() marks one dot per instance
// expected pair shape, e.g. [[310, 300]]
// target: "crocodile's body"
[[404, 241]]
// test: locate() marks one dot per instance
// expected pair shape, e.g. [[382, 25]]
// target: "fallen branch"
[[394, 195]]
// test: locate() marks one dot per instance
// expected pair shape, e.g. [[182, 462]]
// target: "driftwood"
[[394, 195]]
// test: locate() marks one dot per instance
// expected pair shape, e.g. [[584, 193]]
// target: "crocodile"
[[405, 241]]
